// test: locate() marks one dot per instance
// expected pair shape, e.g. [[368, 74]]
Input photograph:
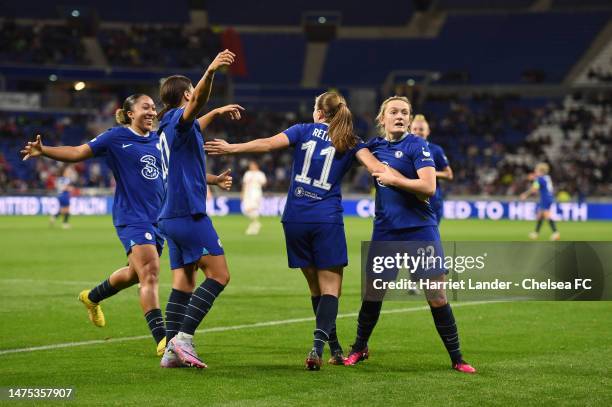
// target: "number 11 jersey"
[[315, 194]]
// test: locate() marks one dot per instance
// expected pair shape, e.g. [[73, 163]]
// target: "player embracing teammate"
[[404, 214]]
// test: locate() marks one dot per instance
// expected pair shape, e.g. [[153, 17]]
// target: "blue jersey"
[[136, 165], [315, 194], [440, 162], [544, 184], [397, 208], [184, 163]]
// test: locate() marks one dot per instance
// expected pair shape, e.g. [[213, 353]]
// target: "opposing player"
[[192, 239], [64, 191], [312, 219], [542, 183], [404, 214], [420, 127], [132, 153], [253, 182]]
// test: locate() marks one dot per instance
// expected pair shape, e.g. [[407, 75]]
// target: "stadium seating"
[[514, 44]]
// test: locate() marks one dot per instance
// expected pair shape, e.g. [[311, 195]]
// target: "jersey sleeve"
[[100, 144], [294, 133], [182, 128], [421, 155], [442, 160], [360, 145]]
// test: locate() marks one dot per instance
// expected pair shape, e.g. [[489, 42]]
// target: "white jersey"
[[253, 182], [62, 184]]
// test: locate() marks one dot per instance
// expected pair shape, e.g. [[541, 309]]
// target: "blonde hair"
[[542, 167], [121, 115], [381, 112], [340, 120]]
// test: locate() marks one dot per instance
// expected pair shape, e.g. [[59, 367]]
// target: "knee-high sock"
[[368, 317], [447, 329], [102, 291], [334, 344], [200, 303], [327, 311], [175, 312]]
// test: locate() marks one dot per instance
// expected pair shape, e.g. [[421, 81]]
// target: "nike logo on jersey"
[[125, 145]]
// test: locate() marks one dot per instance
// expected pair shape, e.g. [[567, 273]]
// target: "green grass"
[[528, 353]]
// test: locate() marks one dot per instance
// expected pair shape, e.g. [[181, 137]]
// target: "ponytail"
[[340, 120], [121, 115]]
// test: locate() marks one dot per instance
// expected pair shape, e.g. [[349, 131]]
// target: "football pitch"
[[257, 335]]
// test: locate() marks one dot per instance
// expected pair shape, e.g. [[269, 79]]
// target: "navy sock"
[[334, 344], [175, 312], [539, 225], [327, 311], [552, 224], [156, 324], [66, 217], [102, 291], [447, 329], [200, 303], [368, 317]]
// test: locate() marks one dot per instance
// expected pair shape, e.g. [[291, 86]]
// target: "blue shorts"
[[428, 234], [189, 238], [64, 199], [320, 245], [544, 205], [140, 233]]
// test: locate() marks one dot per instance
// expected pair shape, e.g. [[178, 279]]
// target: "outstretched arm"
[[231, 111], [63, 153], [262, 145], [201, 92]]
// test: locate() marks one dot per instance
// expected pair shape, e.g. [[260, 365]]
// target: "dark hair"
[[339, 118], [121, 115], [171, 92]]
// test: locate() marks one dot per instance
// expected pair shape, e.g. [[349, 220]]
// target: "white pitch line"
[[225, 328]]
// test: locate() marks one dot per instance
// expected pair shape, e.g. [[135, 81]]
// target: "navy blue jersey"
[[397, 208], [545, 186], [440, 162], [315, 194], [185, 166], [136, 165]]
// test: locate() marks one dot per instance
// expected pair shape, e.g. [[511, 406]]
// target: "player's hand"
[[33, 148], [224, 180], [387, 177], [231, 111], [523, 196], [218, 147], [223, 58]]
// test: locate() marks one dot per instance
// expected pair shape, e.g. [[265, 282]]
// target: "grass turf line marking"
[[226, 328]]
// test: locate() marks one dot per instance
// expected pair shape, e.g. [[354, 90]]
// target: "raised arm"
[[231, 111], [262, 145], [63, 153], [201, 92]]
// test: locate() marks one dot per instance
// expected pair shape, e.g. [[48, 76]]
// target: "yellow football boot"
[[93, 310]]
